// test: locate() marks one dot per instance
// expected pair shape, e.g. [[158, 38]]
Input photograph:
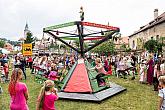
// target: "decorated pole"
[[80, 30]]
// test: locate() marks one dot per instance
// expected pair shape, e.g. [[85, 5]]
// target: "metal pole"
[[80, 40], [80, 30], [54, 36], [99, 42]]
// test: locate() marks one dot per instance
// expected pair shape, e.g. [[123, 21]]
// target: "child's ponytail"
[[41, 98], [47, 86]]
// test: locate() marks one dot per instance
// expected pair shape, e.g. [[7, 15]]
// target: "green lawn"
[[137, 97]]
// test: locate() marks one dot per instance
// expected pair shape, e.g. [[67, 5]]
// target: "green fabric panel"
[[59, 26], [92, 75], [67, 77]]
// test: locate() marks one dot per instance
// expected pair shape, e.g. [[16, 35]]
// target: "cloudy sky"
[[129, 15]]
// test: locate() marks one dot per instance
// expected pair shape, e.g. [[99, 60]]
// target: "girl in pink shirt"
[[18, 91], [47, 96]]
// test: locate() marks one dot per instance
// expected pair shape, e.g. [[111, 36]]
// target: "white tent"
[[4, 51]]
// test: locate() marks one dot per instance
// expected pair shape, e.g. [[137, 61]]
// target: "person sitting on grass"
[[161, 105], [18, 91], [47, 96]]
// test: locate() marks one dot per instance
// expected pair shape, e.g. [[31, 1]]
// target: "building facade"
[[153, 30]]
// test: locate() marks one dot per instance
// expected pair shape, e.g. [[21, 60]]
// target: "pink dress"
[[100, 70], [18, 102], [52, 75], [49, 102]]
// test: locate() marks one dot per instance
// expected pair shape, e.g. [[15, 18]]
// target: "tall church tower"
[[26, 30]]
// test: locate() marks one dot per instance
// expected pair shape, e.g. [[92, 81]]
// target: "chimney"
[[155, 13]]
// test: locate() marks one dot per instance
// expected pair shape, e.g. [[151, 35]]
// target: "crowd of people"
[[150, 70]]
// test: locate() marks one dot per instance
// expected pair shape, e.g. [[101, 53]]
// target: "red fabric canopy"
[[94, 38], [79, 81]]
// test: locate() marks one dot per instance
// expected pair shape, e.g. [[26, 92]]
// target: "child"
[[6, 71], [161, 105], [142, 72], [1, 91], [3, 78], [162, 68], [53, 72], [47, 96]]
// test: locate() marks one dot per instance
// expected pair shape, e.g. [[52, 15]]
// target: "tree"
[[125, 48], [13, 42], [161, 44], [106, 47], [30, 39], [2, 43], [77, 43], [153, 46]]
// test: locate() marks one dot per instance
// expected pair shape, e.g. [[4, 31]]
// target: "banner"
[[27, 49]]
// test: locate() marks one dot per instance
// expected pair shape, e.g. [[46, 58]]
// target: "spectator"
[[161, 105], [142, 72], [30, 61], [23, 65], [150, 70], [105, 64], [47, 96], [17, 62], [162, 67], [18, 91]]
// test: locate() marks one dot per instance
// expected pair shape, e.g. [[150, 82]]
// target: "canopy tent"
[[4, 51]]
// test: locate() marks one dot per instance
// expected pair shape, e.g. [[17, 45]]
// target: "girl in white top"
[[43, 62], [162, 68], [161, 105], [142, 72]]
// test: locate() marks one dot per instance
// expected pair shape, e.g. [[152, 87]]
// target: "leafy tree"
[[2, 43], [54, 46], [77, 43], [161, 44], [125, 48], [30, 39], [14, 43], [106, 47], [153, 46]]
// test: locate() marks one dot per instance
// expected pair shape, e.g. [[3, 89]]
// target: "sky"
[[128, 15]]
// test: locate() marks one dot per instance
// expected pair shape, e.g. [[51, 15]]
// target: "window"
[[157, 37], [133, 44]]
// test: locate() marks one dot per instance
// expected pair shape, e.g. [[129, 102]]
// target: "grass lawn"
[[137, 97]]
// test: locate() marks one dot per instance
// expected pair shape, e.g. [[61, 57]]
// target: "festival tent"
[[4, 51]]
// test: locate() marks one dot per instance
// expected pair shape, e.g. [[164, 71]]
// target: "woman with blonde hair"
[[18, 91], [99, 67], [47, 96], [101, 72]]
